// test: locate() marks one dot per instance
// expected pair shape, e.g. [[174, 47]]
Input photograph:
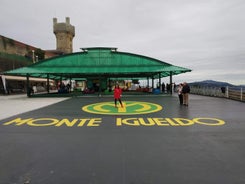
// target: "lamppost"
[[33, 56]]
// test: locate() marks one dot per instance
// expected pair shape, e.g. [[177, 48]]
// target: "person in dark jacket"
[[185, 92]]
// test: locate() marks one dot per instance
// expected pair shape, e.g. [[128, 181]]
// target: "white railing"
[[227, 92]]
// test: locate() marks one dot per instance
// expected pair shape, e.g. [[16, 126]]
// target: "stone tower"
[[64, 33]]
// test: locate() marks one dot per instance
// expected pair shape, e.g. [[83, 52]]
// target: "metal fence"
[[233, 93]]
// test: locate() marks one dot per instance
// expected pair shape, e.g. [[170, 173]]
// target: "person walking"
[[186, 91], [117, 95], [179, 90], [163, 87]]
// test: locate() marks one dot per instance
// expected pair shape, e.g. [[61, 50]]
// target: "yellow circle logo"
[[129, 108]]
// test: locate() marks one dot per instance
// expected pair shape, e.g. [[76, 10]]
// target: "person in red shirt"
[[117, 95]]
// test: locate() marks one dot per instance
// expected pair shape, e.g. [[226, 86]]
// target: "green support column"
[[159, 75], [152, 83], [171, 83], [99, 86], [28, 90], [70, 85], [60, 82], [48, 83]]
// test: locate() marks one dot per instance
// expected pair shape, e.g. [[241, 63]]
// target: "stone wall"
[[10, 46]]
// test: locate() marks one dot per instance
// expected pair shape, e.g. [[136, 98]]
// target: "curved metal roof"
[[95, 62]]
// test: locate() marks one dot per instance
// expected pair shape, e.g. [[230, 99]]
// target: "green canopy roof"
[[99, 62]]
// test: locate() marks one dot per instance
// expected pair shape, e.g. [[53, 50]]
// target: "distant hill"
[[211, 83]]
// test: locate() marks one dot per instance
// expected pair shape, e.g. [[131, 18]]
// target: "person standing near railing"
[[179, 90], [185, 92]]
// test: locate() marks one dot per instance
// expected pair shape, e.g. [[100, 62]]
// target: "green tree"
[[40, 53]]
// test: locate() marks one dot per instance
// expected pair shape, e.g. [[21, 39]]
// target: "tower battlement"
[[63, 26]]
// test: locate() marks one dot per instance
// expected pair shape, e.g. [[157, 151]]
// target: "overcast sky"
[[207, 36]]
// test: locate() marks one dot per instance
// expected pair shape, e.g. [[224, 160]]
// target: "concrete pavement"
[[17, 104]]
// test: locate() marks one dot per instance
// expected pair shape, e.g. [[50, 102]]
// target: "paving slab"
[[88, 140]]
